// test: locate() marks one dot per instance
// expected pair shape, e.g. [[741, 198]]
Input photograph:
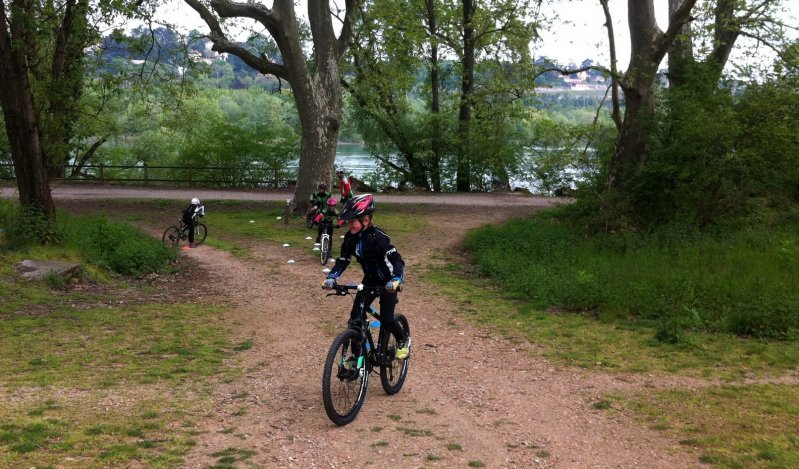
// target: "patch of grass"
[[542, 454], [379, 444], [415, 431], [602, 404], [244, 345], [233, 232], [476, 463], [432, 457], [228, 457], [733, 426], [454, 447], [427, 411], [682, 279], [103, 346], [395, 417], [377, 429], [622, 346], [76, 427]]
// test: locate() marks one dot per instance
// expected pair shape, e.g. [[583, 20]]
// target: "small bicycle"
[[175, 234], [354, 354], [325, 243]]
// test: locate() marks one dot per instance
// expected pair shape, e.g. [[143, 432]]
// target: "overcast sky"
[[577, 35]]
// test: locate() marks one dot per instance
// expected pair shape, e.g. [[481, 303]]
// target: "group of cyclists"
[[381, 262]]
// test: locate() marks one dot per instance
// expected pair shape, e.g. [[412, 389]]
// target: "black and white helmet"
[[358, 207], [195, 201]]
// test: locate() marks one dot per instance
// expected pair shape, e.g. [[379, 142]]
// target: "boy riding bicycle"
[[382, 264], [319, 198], [326, 219]]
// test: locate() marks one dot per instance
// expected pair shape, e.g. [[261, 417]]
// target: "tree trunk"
[[435, 98], [463, 176], [648, 47], [65, 86], [316, 88], [16, 97]]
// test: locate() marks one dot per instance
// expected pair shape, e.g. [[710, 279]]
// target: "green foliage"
[[679, 278], [117, 246], [718, 157], [31, 226]]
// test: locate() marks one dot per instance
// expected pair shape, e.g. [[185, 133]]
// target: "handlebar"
[[343, 290]]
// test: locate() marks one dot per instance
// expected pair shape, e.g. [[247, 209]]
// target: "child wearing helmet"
[[320, 197], [344, 185], [326, 218], [382, 264], [190, 215]]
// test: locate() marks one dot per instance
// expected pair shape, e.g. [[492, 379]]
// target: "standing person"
[[326, 218], [190, 215], [344, 185], [381, 263]]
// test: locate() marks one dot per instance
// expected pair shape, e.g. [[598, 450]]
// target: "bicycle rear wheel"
[[200, 232], [392, 374], [324, 251], [344, 390], [171, 236], [309, 220]]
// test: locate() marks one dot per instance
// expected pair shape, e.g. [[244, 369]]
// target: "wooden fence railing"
[[209, 176]]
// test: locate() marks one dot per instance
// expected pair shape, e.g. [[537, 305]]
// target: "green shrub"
[[28, 226], [116, 246], [676, 277]]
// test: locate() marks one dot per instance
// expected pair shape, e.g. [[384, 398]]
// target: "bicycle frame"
[[369, 348]]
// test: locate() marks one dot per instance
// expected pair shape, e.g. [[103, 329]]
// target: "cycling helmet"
[[331, 201], [339, 171], [322, 187], [195, 201], [357, 207]]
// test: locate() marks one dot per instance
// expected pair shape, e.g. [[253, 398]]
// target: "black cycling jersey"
[[373, 249]]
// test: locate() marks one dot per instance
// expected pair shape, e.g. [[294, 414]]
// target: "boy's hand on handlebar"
[[329, 284], [393, 284]]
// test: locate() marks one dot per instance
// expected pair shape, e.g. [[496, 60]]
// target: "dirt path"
[[469, 396]]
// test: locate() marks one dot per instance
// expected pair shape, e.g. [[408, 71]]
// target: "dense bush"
[[117, 246], [678, 278], [29, 225]]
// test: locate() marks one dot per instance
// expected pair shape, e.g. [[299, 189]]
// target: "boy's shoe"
[[350, 363], [192, 245], [403, 349]]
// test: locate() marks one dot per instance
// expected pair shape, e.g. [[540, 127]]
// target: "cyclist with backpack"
[[190, 216], [381, 263]]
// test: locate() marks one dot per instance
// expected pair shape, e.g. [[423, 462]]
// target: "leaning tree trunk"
[[22, 128], [648, 46]]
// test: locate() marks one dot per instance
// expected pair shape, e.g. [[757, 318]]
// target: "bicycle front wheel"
[[324, 251], [344, 386], [200, 232], [171, 236], [394, 371]]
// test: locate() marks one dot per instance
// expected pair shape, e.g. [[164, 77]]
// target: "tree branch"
[[221, 42], [676, 21]]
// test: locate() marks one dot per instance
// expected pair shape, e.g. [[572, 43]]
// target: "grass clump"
[[757, 428], [679, 279]]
